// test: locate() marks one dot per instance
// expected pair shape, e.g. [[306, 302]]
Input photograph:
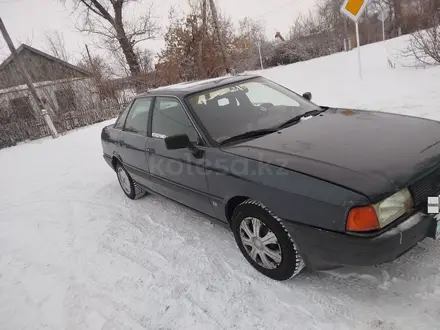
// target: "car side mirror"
[[307, 96], [180, 141]]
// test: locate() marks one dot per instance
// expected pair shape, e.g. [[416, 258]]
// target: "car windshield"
[[246, 106]]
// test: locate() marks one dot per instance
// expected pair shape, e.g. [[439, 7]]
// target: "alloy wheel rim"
[[124, 180], [260, 243]]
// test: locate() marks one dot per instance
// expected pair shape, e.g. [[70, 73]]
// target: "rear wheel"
[[130, 188], [264, 241]]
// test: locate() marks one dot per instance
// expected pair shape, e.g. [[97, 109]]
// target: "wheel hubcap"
[[124, 180], [260, 243]]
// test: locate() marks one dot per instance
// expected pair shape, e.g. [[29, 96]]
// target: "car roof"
[[191, 87]]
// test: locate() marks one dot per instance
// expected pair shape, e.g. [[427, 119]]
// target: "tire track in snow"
[[227, 272], [165, 272], [156, 208], [151, 217]]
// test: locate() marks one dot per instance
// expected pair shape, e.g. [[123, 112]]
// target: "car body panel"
[[110, 139], [179, 175], [292, 196], [322, 249], [373, 153], [132, 153]]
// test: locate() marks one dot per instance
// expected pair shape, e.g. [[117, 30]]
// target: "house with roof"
[[63, 87]]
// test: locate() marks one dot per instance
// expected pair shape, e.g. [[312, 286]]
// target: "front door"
[[177, 174], [134, 141]]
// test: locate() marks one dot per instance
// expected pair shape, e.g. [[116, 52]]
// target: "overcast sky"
[[29, 20]]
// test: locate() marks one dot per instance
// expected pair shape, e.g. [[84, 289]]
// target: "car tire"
[[270, 248], [130, 187]]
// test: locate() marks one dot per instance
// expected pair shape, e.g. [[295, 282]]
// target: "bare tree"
[[146, 59], [394, 7], [105, 18], [247, 43], [254, 30], [56, 45], [425, 45], [97, 65]]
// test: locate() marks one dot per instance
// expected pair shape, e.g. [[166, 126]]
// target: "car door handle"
[[151, 150]]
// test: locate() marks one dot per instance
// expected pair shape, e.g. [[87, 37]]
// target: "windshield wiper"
[[296, 119], [249, 135]]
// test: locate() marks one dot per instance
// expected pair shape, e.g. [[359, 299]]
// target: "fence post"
[[49, 123]]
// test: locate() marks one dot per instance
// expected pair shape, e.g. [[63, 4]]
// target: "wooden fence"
[[19, 130]]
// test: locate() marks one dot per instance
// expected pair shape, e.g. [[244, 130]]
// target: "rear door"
[[112, 142], [134, 139]]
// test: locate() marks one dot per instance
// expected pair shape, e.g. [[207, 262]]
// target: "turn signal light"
[[362, 218]]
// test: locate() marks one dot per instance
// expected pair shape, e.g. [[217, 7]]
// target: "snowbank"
[[334, 80]]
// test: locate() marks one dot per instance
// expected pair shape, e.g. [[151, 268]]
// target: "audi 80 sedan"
[[300, 185]]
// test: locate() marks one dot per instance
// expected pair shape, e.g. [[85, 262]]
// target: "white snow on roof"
[[190, 84], [38, 84]]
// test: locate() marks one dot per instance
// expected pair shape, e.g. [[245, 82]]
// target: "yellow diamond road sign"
[[354, 9]]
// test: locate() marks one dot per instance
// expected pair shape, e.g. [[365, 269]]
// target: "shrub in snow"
[[425, 45]]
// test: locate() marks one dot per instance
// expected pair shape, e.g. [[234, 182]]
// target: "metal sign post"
[[259, 53], [359, 50], [383, 25], [383, 17], [354, 9]]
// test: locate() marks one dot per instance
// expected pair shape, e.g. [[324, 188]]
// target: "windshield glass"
[[246, 106]]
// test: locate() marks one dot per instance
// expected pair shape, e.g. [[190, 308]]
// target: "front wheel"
[[264, 241], [130, 188]]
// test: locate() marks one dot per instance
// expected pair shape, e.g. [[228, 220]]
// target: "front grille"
[[425, 187]]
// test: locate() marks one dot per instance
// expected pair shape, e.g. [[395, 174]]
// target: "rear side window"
[[121, 120], [137, 119]]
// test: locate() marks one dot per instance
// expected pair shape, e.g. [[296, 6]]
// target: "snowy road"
[[75, 253]]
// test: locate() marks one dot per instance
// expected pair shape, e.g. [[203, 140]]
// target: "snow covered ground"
[[75, 253], [334, 80]]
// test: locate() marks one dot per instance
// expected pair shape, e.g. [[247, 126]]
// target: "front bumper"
[[322, 249]]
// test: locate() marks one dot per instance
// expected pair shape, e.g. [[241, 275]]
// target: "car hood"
[[373, 153]]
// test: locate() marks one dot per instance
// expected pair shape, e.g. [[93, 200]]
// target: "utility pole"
[[42, 112], [90, 59], [219, 36], [95, 78], [202, 71]]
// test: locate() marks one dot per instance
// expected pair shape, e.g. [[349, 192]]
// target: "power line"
[[9, 1], [270, 12]]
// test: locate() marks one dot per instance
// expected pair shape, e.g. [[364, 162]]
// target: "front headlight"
[[373, 217], [393, 207]]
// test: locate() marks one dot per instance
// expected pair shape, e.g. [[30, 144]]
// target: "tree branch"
[[99, 10]]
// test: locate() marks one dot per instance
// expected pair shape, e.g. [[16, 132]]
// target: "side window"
[[169, 118], [121, 120], [137, 118]]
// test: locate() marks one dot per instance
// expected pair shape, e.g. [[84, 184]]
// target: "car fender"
[[117, 156], [291, 195]]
